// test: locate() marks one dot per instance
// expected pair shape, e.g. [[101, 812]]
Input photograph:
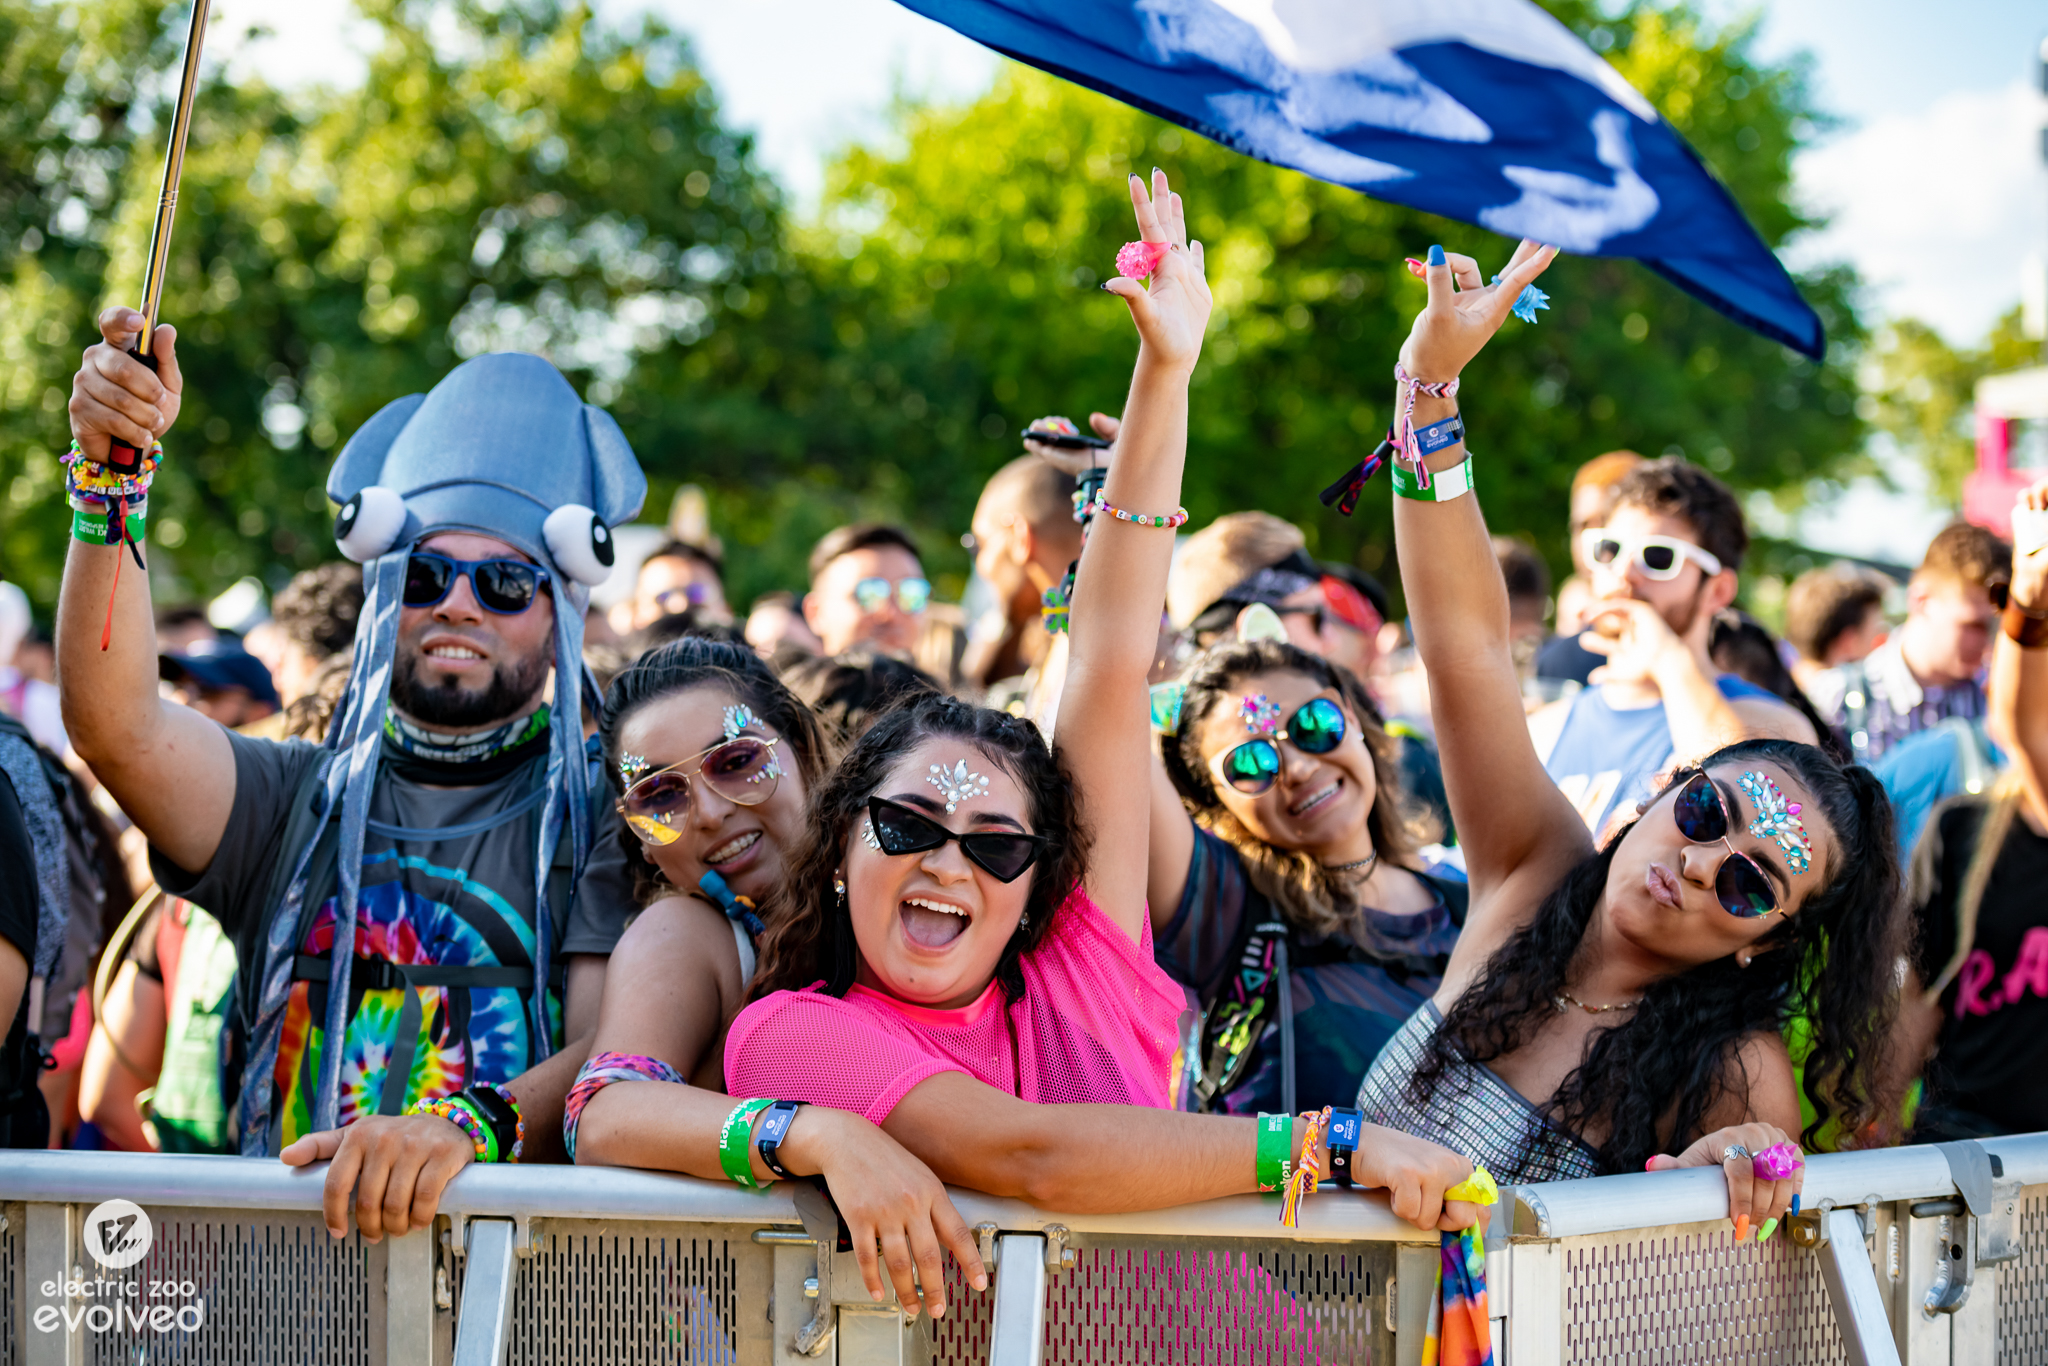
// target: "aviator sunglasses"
[[507, 587], [1252, 767], [900, 830], [742, 770], [1701, 810]]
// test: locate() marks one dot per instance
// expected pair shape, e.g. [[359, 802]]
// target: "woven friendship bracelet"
[[1405, 444]]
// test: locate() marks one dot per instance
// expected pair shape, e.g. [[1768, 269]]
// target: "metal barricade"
[[1915, 1255]]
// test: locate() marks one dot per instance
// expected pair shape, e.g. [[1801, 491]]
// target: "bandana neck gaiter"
[[413, 750]]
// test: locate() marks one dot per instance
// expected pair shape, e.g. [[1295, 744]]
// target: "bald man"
[[1024, 537]]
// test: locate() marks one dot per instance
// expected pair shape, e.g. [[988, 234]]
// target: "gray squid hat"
[[501, 447]]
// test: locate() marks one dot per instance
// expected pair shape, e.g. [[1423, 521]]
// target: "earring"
[[1742, 959], [1024, 921], [839, 889]]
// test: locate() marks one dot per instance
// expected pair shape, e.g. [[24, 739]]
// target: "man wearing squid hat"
[[435, 886]]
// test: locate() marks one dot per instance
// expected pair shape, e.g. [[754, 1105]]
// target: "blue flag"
[[1486, 111]]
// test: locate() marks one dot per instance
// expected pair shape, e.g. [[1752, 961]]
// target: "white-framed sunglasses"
[[1654, 557]]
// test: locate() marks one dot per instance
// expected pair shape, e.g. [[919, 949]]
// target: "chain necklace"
[[1369, 861], [1564, 1000]]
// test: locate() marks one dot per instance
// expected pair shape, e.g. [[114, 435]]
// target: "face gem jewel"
[[1778, 819], [956, 784], [867, 834], [1261, 717], [631, 766], [738, 719]]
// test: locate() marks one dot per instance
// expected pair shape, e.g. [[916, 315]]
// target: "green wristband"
[[735, 1153], [91, 527], [1444, 485], [1276, 1149], [483, 1123]]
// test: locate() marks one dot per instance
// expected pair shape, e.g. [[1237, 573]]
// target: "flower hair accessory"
[[631, 766], [956, 784], [1138, 260], [1778, 819], [1261, 716]]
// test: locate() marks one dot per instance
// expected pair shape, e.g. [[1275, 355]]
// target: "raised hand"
[[1075, 461], [1173, 313], [1463, 311], [115, 395]]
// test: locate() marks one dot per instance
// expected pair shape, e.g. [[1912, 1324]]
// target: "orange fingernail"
[[1741, 1227]]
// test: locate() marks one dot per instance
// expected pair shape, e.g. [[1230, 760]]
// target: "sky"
[[1933, 180]]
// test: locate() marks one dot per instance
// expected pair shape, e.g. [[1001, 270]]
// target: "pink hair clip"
[[1778, 1161], [1137, 260]]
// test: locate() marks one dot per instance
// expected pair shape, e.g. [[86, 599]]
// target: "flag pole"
[[123, 457]]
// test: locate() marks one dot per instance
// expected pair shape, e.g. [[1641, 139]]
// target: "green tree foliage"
[[1925, 388], [971, 254], [516, 173]]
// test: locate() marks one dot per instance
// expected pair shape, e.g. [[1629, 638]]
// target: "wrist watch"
[[1346, 1124], [775, 1122], [2025, 627]]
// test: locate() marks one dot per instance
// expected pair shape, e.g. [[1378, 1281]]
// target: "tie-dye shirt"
[[467, 900]]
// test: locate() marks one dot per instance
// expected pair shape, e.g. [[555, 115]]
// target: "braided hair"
[[698, 662], [812, 937]]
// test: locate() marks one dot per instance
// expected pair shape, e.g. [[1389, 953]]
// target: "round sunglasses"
[[507, 587], [1741, 885], [1317, 727], [899, 830], [743, 770]]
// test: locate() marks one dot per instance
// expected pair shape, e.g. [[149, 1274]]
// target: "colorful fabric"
[[1458, 1333], [600, 1071]]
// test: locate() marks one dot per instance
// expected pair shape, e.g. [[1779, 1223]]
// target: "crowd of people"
[[1183, 865]]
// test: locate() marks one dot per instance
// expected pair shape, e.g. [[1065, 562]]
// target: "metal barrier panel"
[[12, 1291], [2023, 1288]]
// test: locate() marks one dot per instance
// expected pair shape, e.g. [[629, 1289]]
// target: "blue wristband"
[[1346, 1126], [1437, 435]]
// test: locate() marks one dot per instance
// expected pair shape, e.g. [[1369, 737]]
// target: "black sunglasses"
[[1743, 887], [900, 830], [507, 587]]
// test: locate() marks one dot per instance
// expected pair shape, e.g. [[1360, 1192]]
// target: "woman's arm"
[[1120, 586], [1758, 1110], [1113, 1158], [1518, 832], [123, 1057], [1172, 844], [2018, 695]]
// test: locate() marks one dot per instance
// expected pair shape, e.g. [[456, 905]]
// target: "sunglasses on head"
[[1654, 557], [911, 594], [742, 770], [1252, 767], [1741, 884], [900, 830], [507, 587]]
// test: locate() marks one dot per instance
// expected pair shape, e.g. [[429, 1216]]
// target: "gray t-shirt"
[[447, 901]]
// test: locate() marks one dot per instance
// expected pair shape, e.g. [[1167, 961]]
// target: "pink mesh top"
[[1097, 1025]]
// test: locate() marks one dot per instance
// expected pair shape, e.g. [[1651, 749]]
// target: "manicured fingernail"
[[1135, 176], [1795, 1205], [1414, 266], [1741, 1227], [1763, 1235], [1106, 289], [1436, 256], [1651, 1165]]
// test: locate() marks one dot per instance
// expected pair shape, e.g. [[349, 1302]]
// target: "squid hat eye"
[[580, 544], [370, 523]]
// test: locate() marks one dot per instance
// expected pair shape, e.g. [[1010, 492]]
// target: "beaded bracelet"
[[733, 1147], [1177, 519], [1275, 1151], [601, 1071], [456, 1112], [497, 1105]]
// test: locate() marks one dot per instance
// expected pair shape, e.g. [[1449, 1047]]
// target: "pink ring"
[[1778, 1161]]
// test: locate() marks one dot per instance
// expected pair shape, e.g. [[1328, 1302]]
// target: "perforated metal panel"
[[1668, 1296], [273, 1288], [2023, 1289], [1175, 1302], [646, 1293], [12, 1295]]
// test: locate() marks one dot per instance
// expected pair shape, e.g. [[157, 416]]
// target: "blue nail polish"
[[1795, 1205], [1436, 256]]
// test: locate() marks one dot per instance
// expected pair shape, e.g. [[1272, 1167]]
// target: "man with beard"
[[1662, 565], [438, 886]]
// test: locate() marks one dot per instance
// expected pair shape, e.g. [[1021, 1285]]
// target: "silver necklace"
[[1367, 862], [1564, 1000]]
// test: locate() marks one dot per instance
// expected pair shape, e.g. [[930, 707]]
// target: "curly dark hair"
[[696, 662], [812, 936], [1832, 964], [1290, 878], [848, 691]]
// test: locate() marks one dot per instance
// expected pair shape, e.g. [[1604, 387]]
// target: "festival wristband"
[[732, 1143], [1275, 1151], [1346, 1127], [91, 527], [768, 1138], [2024, 628], [1443, 485], [1437, 435]]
